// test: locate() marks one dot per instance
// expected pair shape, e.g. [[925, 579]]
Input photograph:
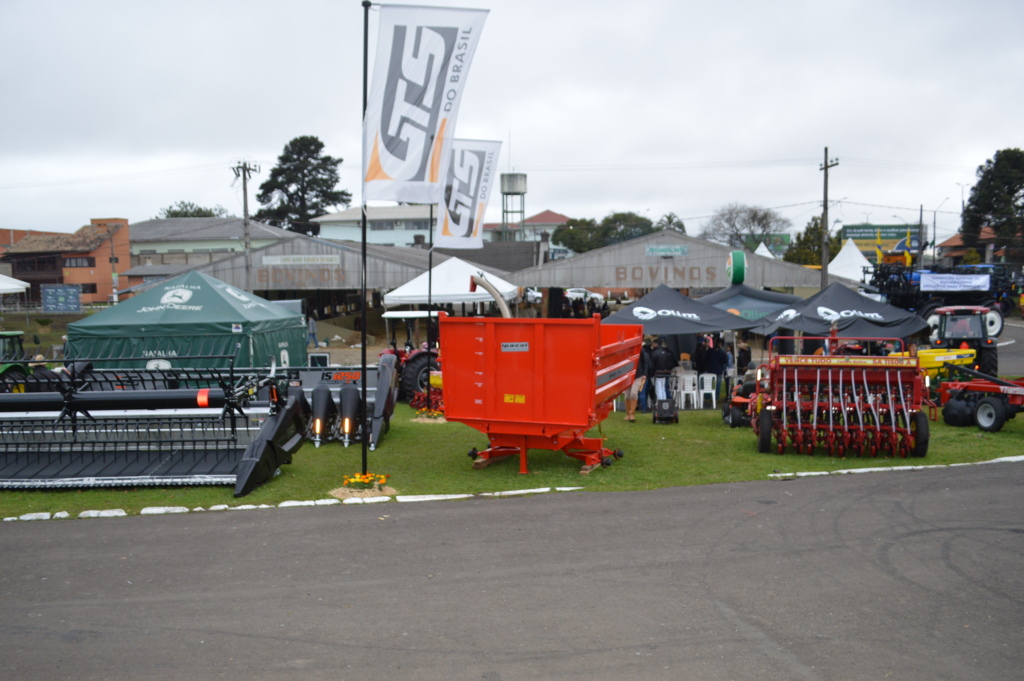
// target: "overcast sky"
[[119, 109]]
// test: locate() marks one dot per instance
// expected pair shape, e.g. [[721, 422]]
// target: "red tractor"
[[415, 362], [965, 327]]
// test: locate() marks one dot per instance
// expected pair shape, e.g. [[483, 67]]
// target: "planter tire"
[[765, 420]]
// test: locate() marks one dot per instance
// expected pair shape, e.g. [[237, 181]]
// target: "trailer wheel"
[[990, 414], [988, 361], [764, 431], [921, 435]]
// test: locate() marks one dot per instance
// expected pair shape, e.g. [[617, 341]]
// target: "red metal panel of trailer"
[[536, 383]]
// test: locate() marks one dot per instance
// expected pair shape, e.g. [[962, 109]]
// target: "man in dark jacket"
[[663, 362]]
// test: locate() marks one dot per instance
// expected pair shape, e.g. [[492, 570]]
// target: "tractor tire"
[[994, 322], [988, 361], [416, 374], [928, 314], [765, 420], [919, 427], [736, 417], [13, 380], [990, 414]]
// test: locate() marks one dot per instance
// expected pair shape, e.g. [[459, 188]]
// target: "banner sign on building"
[[869, 238], [931, 281], [422, 61], [470, 178]]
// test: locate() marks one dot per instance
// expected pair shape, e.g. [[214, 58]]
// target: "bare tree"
[[741, 226]]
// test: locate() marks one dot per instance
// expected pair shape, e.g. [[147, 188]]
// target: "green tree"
[[671, 221], [585, 235], [577, 235], [805, 248], [741, 226], [187, 209], [997, 201], [301, 186]]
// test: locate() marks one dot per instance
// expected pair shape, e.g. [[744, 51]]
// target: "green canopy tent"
[[190, 315]]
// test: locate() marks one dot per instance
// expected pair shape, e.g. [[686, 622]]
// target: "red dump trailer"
[[536, 383]]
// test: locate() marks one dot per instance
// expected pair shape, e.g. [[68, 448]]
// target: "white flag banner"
[[423, 58], [470, 179]]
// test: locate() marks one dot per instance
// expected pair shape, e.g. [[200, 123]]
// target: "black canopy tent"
[[856, 316], [668, 313], [665, 311], [748, 302]]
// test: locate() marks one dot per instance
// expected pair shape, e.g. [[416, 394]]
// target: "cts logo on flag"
[[414, 100], [463, 189]]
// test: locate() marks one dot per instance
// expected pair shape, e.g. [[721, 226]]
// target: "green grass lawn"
[[431, 458]]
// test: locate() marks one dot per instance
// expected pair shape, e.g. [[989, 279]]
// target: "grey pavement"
[[911, 575]]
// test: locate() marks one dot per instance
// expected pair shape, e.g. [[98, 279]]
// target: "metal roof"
[[201, 229], [664, 257]]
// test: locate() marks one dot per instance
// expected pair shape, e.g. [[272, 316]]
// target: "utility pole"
[[243, 170], [824, 220]]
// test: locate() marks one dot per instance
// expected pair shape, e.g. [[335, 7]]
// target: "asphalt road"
[[913, 576], [1011, 348]]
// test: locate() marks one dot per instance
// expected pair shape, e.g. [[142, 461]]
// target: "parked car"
[[584, 294]]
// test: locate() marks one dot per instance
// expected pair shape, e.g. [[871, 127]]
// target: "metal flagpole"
[[364, 422], [430, 294]]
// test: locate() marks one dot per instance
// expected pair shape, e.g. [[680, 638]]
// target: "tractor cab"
[[13, 369], [965, 327], [11, 346]]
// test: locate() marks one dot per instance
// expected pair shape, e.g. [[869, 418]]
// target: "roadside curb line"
[[169, 510], [889, 469]]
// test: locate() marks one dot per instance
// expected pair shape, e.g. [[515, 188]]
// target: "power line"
[[114, 178]]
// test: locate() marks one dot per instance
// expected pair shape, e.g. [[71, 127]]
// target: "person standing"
[[637, 389], [311, 327], [42, 379], [663, 362], [715, 363]]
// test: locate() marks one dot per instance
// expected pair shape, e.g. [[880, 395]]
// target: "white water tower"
[[513, 205]]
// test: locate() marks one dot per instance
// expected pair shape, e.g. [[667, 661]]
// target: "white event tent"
[[762, 250], [450, 283], [849, 262], [11, 285]]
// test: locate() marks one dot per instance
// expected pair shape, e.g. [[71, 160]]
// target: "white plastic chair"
[[708, 387], [687, 388]]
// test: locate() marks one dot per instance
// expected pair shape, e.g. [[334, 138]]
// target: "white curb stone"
[[109, 513], [34, 516], [539, 490], [375, 500], [61, 515], [219, 507], [430, 498], [163, 510], [292, 504], [327, 502]]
